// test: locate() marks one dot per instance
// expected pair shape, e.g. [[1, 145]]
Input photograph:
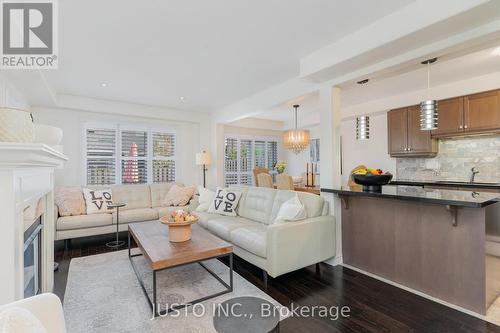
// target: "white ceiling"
[[212, 52], [444, 71]]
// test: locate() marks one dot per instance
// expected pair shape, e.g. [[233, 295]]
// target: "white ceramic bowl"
[[297, 179], [48, 135]]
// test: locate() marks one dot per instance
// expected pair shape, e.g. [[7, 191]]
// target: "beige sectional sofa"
[[276, 247], [143, 204]]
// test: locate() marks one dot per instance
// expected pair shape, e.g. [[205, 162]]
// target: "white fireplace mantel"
[[26, 180], [30, 155]]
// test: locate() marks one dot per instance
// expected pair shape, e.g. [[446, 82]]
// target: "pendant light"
[[363, 122], [429, 107], [296, 140], [363, 128]]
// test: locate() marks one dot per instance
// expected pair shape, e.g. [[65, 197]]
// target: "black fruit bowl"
[[372, 183]]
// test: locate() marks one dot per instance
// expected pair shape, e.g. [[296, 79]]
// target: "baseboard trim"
[[335, 261], [419, 293], [493, 248]]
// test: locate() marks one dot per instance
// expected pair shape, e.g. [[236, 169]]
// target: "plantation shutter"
[[231, 162], [272, 154], [246, 165], [101, 156], [163, 157], [134, 157], [260, 154]]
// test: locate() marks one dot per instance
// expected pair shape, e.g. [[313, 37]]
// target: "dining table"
[[304, 188]]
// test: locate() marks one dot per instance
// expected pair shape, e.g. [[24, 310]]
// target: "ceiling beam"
[[412, 27]]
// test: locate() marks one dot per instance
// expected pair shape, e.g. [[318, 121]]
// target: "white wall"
[[72, 122], [371, 153], [296, 164], [10, 96]]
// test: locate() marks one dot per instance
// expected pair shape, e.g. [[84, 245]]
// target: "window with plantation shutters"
[[101, 156], [242, 155], [129, 156]]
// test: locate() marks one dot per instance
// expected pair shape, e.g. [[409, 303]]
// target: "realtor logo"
[[28, 34]]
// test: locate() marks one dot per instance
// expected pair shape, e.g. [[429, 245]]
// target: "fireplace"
[[33, 258], [27, 206]]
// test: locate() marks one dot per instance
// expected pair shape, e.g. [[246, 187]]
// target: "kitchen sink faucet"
[[473, 174]]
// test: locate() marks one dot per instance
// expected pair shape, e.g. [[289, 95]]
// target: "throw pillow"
[[17, 319], [97, 201], [291, 210], [225, 202], [178, 196], [206, 198], [70, 201]]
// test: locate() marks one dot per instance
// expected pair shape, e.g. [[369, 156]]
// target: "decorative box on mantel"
[[27, 218]]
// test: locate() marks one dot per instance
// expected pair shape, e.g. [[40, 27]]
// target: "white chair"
[[47, 308]]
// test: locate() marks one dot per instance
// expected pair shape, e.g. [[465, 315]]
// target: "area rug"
[[104, 295]]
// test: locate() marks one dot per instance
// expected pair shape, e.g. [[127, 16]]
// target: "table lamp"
[[204, 159]]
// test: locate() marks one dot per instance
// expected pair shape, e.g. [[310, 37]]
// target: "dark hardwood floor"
[[374, 306]]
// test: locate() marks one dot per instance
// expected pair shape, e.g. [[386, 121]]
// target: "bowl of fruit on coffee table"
[[371, 179], [179, 225]]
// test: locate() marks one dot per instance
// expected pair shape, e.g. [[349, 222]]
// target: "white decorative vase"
[[15, 125], [48, 135]]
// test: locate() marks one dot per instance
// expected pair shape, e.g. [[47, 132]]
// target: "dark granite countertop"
[[445, 183], [414, 193]]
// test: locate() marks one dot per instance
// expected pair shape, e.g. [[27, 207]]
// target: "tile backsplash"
[[455, 159]]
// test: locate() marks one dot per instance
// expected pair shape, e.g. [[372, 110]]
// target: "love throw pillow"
[[225, 202], [97, 201]]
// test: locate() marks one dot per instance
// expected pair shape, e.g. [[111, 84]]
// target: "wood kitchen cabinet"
[[472, 114], [405, 136], [482, 111], [451, 117], [397, 124]]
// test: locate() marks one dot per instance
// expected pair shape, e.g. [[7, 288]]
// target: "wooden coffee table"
[[161, 254]]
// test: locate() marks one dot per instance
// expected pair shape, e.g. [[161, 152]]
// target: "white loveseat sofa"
[[275, 247], [144, 203]]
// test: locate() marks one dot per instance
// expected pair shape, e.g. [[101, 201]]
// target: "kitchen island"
[[429, 240]]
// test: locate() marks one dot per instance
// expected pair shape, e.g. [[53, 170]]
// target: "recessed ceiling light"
[[182, 98], [497, 51], [104, 84]]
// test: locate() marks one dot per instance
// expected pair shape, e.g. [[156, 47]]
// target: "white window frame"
[[118, 147], [253, 138]]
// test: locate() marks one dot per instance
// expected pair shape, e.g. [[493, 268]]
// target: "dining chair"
[[256, 172], [284, 182], [264, 180]]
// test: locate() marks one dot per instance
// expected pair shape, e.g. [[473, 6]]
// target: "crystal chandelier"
[[296, 140]]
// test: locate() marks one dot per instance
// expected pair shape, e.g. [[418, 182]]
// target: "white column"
[[10, 241], [215, 176], [330, 155]]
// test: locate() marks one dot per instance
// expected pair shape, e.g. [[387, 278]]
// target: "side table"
[[116, 243]]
